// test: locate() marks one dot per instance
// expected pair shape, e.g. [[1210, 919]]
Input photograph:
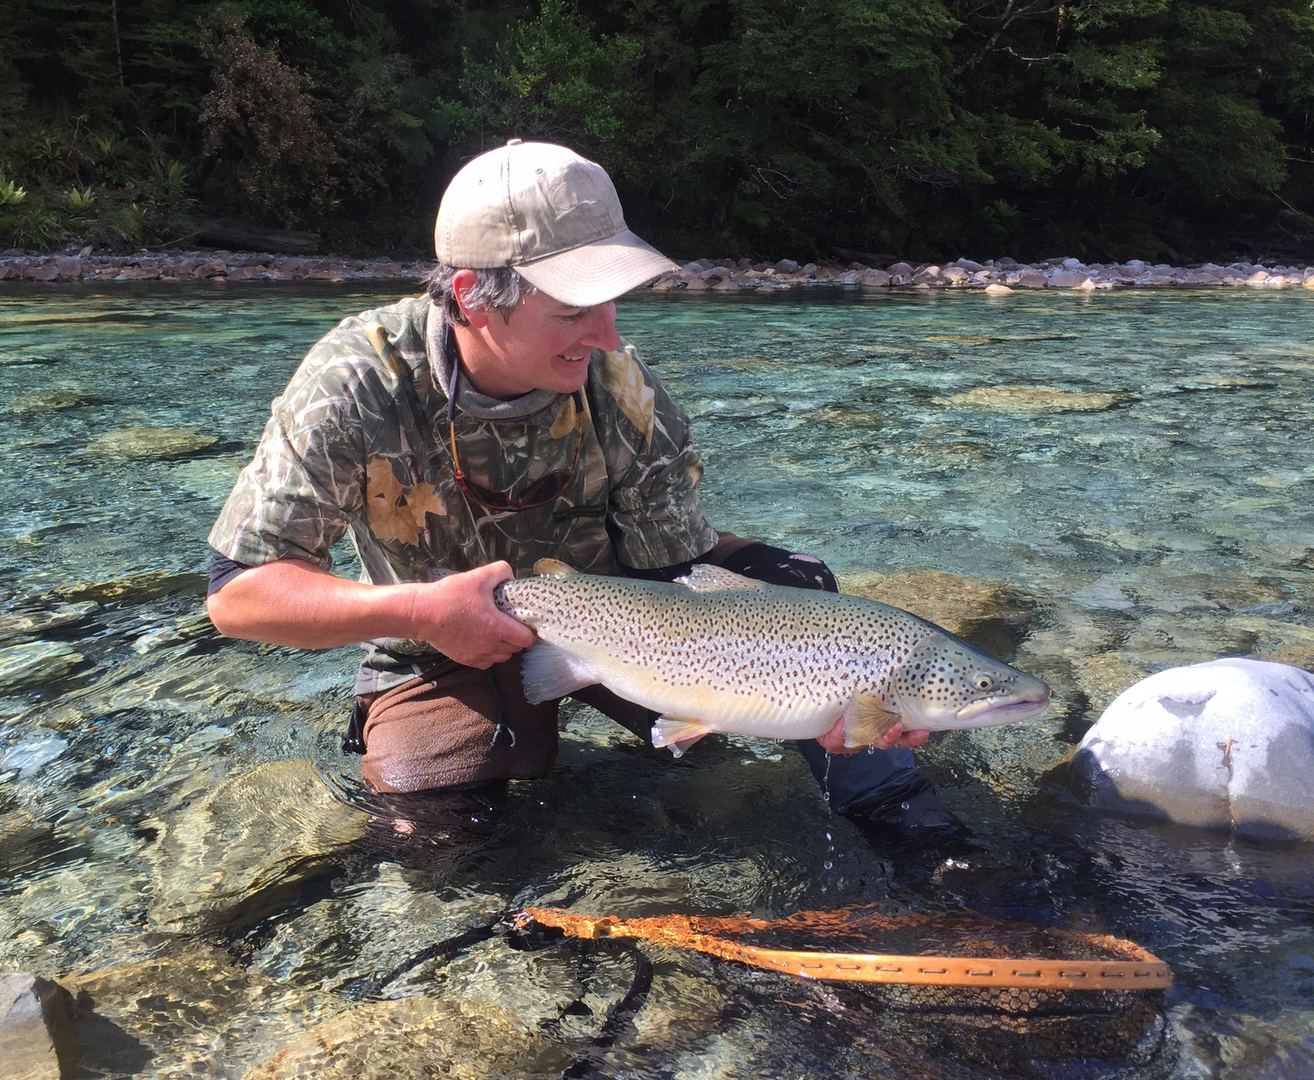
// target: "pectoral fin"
[[678, 733], [549, 673], [866, 721]]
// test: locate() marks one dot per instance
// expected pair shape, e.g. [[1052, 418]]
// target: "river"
[[1119, 481]]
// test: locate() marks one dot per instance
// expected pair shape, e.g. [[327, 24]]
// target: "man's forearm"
[[291, 602]]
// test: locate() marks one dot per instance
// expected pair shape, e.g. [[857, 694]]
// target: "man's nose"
[[600, 328]]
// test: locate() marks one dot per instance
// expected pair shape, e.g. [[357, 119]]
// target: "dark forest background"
[[1176, 130]]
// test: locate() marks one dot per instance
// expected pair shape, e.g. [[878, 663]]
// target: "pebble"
[[994, 276]]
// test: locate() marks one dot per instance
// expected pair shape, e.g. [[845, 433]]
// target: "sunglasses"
[[546, 489]]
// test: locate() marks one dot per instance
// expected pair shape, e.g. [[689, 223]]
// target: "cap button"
[[515, 142]]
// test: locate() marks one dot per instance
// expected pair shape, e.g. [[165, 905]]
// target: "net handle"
[[1124, 975]]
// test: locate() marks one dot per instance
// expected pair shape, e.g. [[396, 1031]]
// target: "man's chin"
[[568, 378]]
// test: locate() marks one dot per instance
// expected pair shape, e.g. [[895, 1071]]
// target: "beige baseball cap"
[[552, 215]]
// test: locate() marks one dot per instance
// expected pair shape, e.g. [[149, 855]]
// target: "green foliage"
[[261, 115], [33, 226], [552, 80], [925, 128], [10, 193]]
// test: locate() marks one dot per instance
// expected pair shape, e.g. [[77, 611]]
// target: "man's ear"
[[462, 282]]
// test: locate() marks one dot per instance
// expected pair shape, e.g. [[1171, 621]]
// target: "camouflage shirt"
[[358, 442]]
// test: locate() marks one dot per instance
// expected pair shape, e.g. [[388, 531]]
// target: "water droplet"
[[828, 865]]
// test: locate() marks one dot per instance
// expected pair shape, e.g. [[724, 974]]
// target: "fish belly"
[[695, 692]]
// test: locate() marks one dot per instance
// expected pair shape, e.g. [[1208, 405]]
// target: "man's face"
[[543, 345]]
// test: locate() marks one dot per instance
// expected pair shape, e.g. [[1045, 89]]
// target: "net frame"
[[1140, 971]]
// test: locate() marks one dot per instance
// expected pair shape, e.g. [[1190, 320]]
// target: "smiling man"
[[463, 435]]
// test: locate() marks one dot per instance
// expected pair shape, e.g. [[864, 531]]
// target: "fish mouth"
[[1019, 708]]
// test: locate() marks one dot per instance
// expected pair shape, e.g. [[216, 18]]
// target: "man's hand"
[[457, 616], [833, 741], [290, 602]]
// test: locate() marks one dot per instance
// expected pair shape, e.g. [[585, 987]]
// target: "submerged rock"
[[134, 588], [16, 624], [34, 663], [991, 615], [37, 1037], [138, 443], [1224, 744], [1039, 399], [52, 401], [357, 937], [29, 756], [414, 1038], [243, 850], [190, 1005]]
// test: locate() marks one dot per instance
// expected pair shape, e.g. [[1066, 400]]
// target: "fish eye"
[[983, 681]]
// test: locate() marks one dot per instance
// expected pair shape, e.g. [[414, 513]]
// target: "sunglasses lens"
[[487, 497], [537, 493], [545, 489]]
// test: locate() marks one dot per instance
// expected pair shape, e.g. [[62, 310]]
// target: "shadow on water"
[[1140, 506]]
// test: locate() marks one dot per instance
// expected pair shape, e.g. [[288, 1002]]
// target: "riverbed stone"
[[134, 588], [1037, 399], [184, 1005], [34, 663], [51, 401], [30, 755], [37, 1037], [1224, 744], [353, 939], [992, 615], [245, 848], [1102, 677], [1278, 640], [416, 1038], [25, 622], [145, 443]]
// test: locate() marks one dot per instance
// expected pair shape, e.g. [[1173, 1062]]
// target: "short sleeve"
[[305, 485]]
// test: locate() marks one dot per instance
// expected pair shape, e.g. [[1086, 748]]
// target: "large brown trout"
[[715, 651]]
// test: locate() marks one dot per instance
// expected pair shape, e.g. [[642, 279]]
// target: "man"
[[463, 435]]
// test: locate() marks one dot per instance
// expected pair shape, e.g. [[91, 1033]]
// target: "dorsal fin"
[[703, 577], [553, 568]]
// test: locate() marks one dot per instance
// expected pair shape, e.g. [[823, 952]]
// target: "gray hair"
[[496, 287]]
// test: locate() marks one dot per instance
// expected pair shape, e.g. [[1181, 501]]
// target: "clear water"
[[1168, 523]]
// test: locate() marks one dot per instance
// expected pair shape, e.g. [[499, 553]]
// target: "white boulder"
[[1226, 744]]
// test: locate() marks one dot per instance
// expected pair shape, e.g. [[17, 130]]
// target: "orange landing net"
[[1128, 967]]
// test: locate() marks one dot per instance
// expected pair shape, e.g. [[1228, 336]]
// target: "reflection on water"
[[1132, 471]]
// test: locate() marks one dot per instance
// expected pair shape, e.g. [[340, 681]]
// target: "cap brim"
[[598, 272]]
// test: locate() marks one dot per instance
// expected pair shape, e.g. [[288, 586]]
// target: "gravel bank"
[[720, 275]]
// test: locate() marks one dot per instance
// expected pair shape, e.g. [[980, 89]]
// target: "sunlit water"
[[1166, 522]]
